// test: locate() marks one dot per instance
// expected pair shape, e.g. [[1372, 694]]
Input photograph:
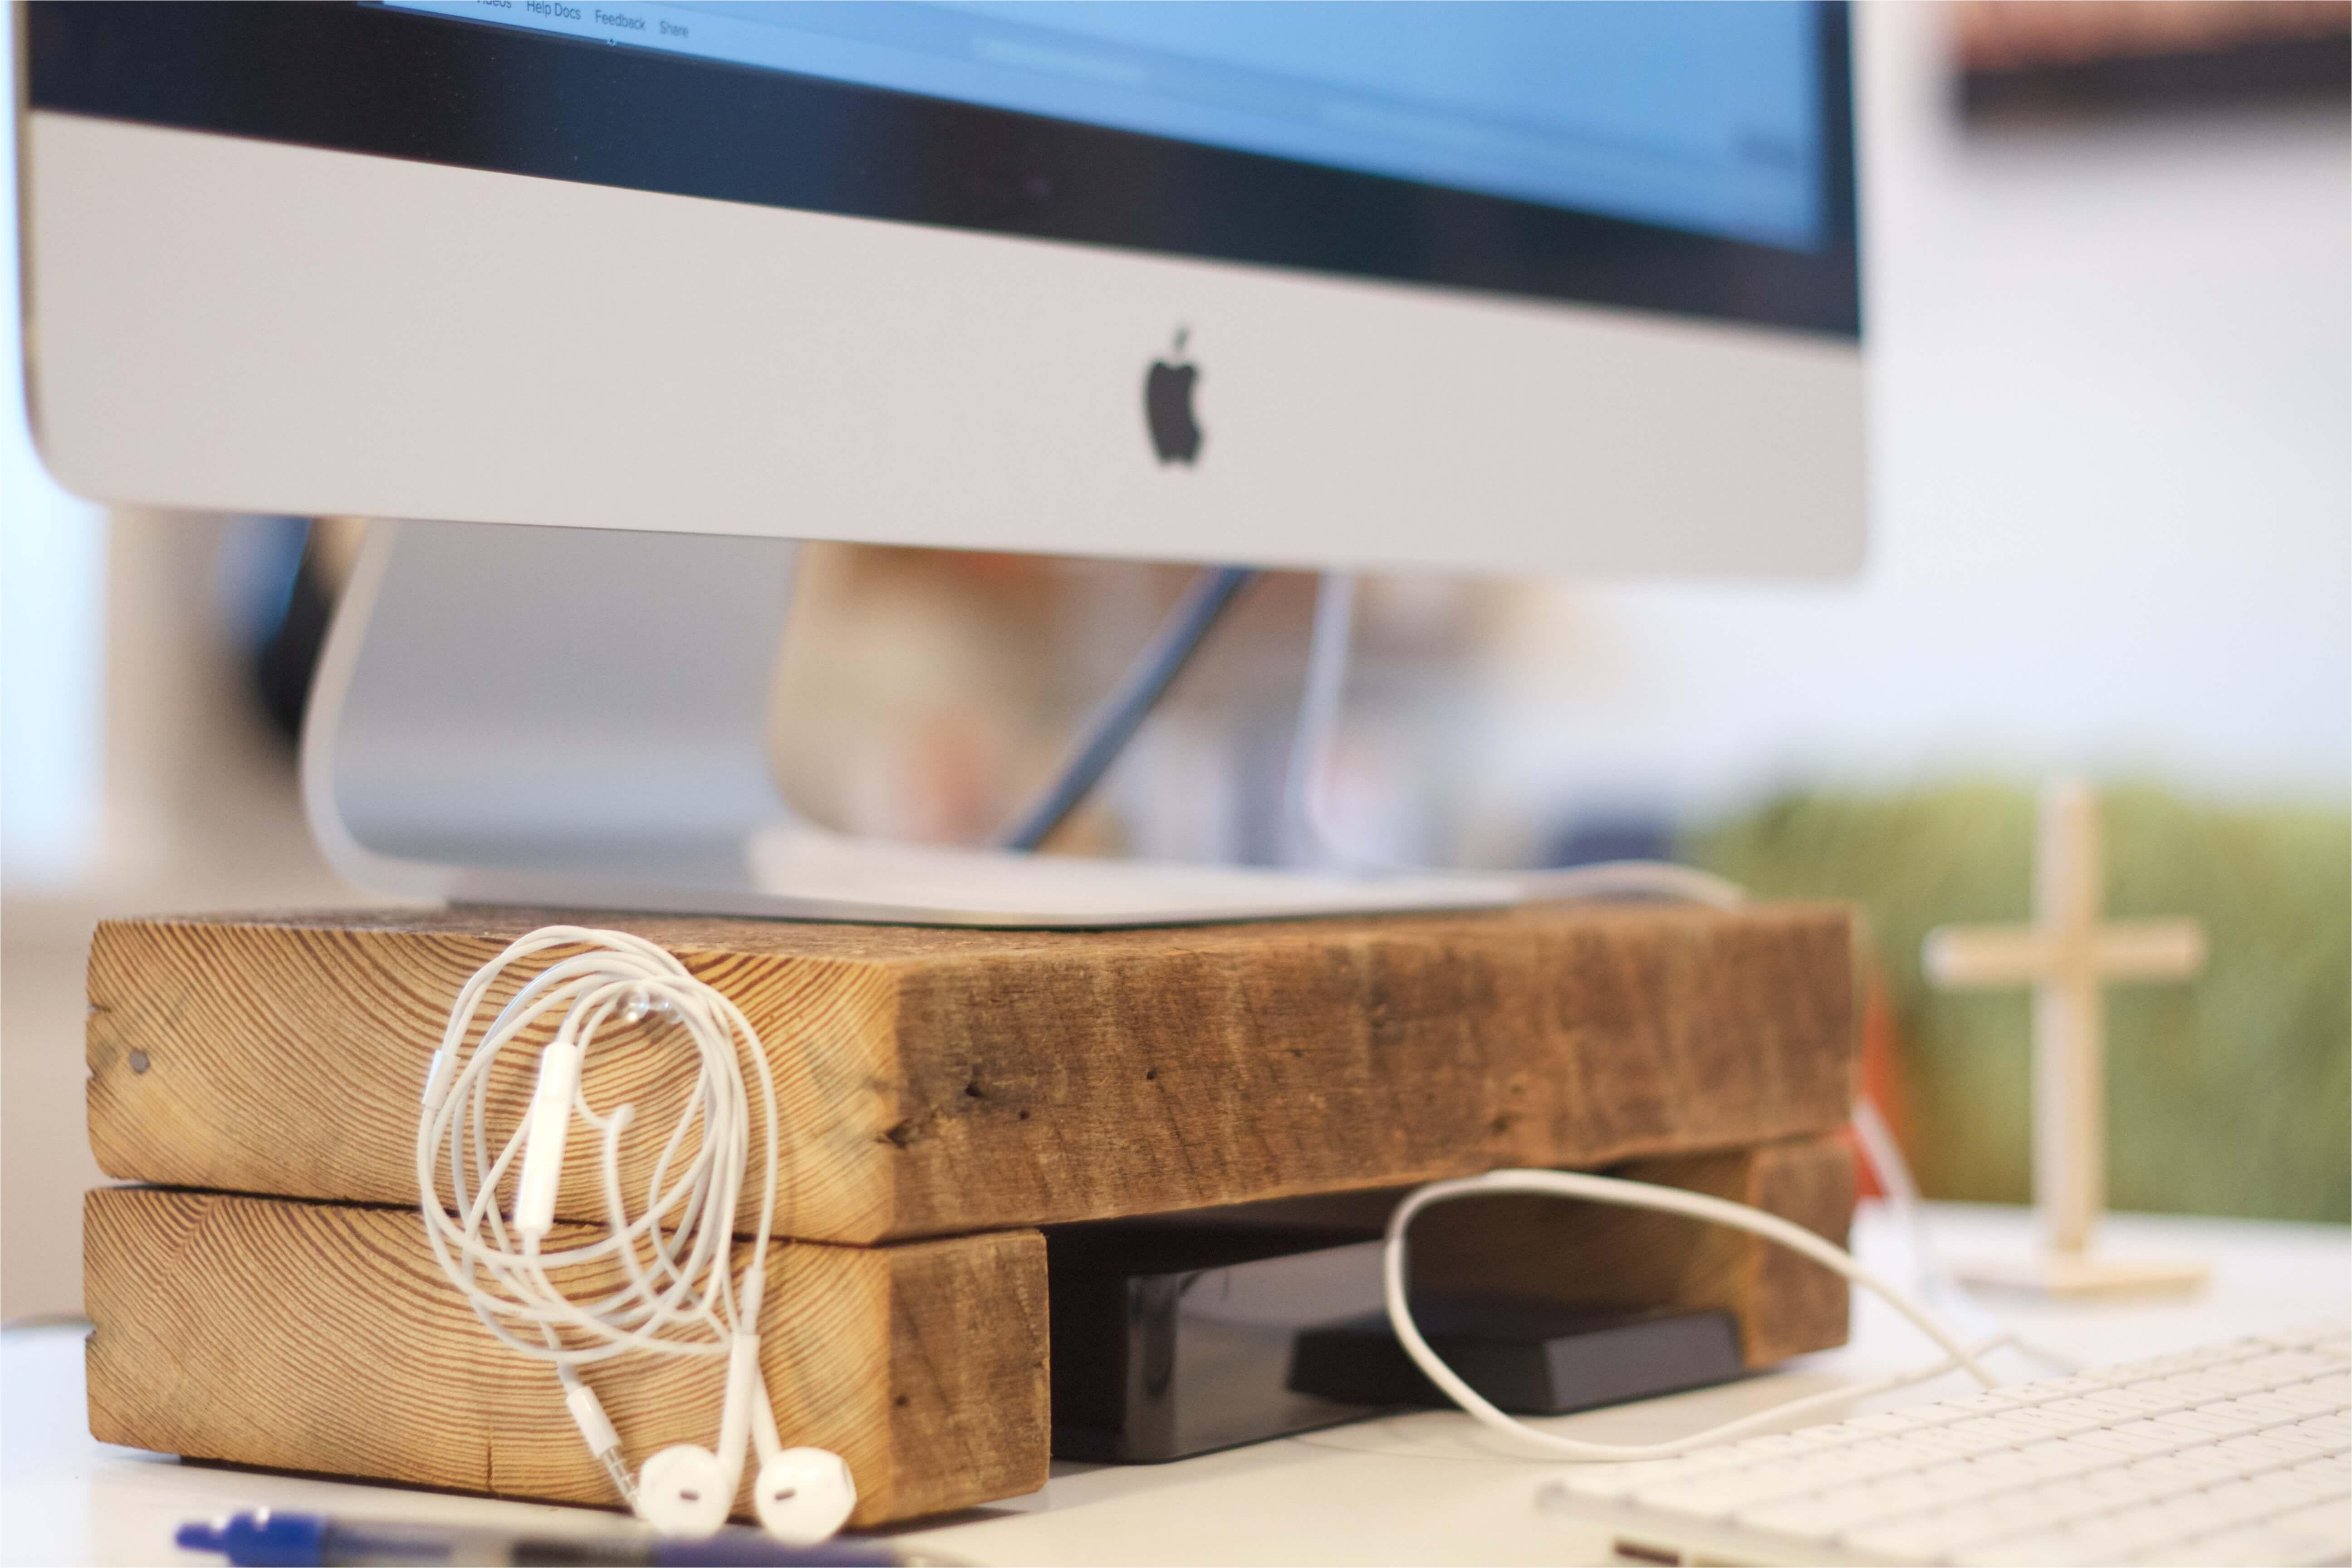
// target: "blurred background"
[[2108, 273]]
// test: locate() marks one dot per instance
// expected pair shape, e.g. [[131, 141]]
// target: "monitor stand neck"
[[579, 718]]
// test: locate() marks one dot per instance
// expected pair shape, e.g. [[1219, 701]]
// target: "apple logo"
[[1168, 406]]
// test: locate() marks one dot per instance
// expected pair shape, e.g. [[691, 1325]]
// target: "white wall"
[[2111, 389]]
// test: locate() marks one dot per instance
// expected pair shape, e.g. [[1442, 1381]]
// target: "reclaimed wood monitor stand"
[[265, 1294]]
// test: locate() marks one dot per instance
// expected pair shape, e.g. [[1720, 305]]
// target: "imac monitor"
[[1554, 288], [1495, 287]]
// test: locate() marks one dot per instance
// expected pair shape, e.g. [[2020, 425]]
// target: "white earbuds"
[[684, 1491], [678, 1293], [804, 1495]]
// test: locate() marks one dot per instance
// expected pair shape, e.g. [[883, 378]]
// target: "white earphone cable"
[[678, 1293], [1666, 1200]]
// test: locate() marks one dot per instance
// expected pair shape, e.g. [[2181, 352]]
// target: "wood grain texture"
[[939, 1081], [324, 1337]]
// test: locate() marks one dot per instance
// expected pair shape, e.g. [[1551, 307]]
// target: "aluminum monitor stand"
[[579, 717]]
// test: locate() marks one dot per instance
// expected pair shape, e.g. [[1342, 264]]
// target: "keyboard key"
[[1813, 1439], [2341, 1472], [2337, 1426], [1848, 1466], [2203, 1387], [2212, 1383], [2101, 1407], [1847, 1432], [2336, 1385], [2053, 1423], [2294, 1400], [2211, 1423], [2134, 1444], [1985, 1433], [2148, 1368], [1894, 1422], [2174, 1439], [2158, 1398], [1991, 1401], [2311, 1443], [2254, 1453], [2011, 1464], [2286, 1366], [2057, 1460], [2050, 1388], [1784, 1444], [2190, 1468], [2278, 1406]]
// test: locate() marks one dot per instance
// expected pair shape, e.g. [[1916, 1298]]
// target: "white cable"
[[1909, 1211], [1666, 1200], [488, 1222]]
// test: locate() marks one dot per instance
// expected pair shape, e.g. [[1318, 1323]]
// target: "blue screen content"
[[1691, 114]]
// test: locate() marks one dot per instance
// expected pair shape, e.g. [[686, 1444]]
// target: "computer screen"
[[1695, 115], [1494, 287]]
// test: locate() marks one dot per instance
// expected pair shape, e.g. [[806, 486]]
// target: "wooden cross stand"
[[2069, 956]]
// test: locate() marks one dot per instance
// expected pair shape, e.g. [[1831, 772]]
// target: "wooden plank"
[[324, 1337], [949, 1080]]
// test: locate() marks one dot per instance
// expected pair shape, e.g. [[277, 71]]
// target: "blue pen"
[[264, 1538]]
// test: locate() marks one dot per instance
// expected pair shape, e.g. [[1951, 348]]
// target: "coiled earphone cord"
[[677, 1292]]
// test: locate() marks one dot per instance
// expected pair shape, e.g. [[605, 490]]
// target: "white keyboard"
[[2231, 1453]]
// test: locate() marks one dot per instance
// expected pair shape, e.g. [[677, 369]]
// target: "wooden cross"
[[2069, 956]]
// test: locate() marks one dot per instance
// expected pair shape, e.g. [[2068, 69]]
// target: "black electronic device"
[[1530, 1358], [1172, 1338]]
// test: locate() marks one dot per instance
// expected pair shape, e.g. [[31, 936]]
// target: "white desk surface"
[[1430, 1488]]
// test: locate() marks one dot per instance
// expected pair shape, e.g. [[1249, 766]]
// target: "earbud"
[[684, 1491], [804, 1495]]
